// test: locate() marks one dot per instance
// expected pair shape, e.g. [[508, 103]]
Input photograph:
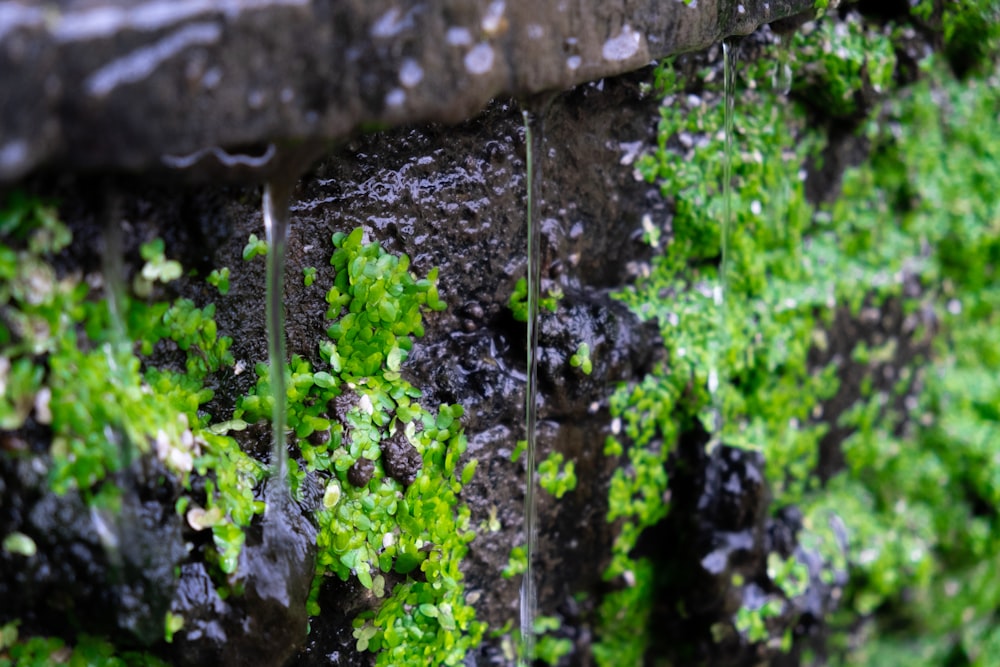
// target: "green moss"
[[923, 209], [969, 30], [928, 481], [48, 651], [342, 409], [70, 361], [623, 620], [555, 477], [842, 66]]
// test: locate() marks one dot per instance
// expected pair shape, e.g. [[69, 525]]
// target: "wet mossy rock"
[[852, 457], [147, 83]]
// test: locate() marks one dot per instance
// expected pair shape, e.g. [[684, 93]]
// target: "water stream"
[[118, 348], [533, 138], [781, 79], [716, 379], [277, 197]]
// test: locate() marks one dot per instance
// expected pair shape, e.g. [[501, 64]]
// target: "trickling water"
[[730, 50], [781, 78], [277, 197], [731, 57], [117, 349], [533, 137]]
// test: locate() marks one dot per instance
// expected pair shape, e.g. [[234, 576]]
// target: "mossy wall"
[[834, 500]]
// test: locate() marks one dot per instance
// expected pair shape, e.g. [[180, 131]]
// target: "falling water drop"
[[731, 57]]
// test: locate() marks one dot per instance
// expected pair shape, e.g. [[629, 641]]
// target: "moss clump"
[[78, 367], [923, 485], [48, 651], [555, 477], [917, 500], [842, 67], [969, 31], [397, 524]]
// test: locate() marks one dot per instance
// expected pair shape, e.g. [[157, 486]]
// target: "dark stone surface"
[[453, 198], [712, 554], [266, 624], [400, 459], [361, 472], [142, 83], [119, 562]]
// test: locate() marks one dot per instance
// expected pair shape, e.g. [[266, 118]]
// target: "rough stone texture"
[[121, 563], [140, 83]]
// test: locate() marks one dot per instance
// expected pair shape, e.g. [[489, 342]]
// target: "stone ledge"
[[124, 83]]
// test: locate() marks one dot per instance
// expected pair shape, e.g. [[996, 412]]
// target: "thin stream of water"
[[277, 197], [781, 79], [533, 137], [730, 50], [118, 348]]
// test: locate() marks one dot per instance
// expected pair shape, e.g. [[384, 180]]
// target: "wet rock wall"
[[452, 197]]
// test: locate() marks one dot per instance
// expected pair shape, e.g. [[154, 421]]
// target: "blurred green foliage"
[[919, 498]]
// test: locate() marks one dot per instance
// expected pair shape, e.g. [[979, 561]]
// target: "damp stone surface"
[[157, 83]]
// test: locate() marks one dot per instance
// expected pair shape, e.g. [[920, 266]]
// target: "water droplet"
[[411, 73], [13, 155], [392, 23], [458, 36], [494, 20], [211, 78], [142, 62], [574, 62], [395, 97], [622, 46], [479, 60], [255, 99]]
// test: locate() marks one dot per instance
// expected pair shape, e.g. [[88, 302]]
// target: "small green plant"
[[19, 543], [16, 651], [517, 563], [308, 275], [753, 622], [581, 359], [556, 478], [518, 301], [550, 649], [255, 247], [519, 448], [790, 575], [156, 269], [219, 279]]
